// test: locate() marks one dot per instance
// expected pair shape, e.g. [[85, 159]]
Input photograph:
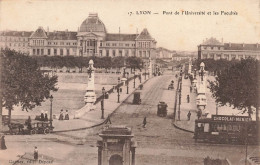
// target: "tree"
[[22, 82], [238, 85]]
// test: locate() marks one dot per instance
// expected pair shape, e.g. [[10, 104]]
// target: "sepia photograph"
[[129, 82]]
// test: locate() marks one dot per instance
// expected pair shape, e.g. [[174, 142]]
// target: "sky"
[[174, 32]]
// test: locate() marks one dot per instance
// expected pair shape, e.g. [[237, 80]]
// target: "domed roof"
[[92, 24]]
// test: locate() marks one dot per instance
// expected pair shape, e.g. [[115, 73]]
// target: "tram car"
[[226, 129]]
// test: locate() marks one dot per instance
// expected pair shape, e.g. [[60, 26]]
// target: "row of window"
[[38, 42], [120, 53], [212, 48], [118, 44], [62, 43], [14, 39], [144, 44], [226, 56], [17, 44], [55, 51]]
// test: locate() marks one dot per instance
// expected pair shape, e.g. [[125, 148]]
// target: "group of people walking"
[[62, 116], [44, 116]]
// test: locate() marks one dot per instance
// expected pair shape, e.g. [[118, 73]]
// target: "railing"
[[114, 88]]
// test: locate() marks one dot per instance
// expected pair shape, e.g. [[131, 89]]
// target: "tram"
[[226, 129]]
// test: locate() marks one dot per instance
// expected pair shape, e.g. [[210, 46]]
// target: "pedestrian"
[[61, 114], [144, 122], [188, 98], [3, 146], [29, 123], [108, 120], [67, 115], [188, 115], [42, 116], [46, 116], [35, 154], [190, 89], [199, 114]]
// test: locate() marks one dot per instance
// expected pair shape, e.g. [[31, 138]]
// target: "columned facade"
[[91, 39]]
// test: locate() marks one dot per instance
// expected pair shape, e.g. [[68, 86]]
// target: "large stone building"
[[214, 49], [91, 39]]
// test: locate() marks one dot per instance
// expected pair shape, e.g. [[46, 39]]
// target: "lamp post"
[[118, 91], [195, 73], [216, 108], [124, 71], [102, 103], [134, 78], [140, 77], [179, 109], [145, 71], [127, 87], [51, 99]]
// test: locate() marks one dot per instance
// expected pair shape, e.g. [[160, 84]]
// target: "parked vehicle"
[[137, 98], [36, 128]]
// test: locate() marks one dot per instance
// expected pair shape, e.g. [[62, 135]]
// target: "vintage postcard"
[[134, 82]]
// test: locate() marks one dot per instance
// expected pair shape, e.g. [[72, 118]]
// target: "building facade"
[[214, 49], [165, 54], [91, 39]]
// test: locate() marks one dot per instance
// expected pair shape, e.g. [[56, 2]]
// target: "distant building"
[[165, 54], [182, 55], [91, 39], [214, 49]]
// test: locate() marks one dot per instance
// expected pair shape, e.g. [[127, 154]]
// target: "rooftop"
[[121, 37]]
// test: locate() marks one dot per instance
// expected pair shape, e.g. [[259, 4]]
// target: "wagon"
[[41, 128], [137, 98]]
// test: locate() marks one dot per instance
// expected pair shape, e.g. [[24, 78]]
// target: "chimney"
[[66, 30], [243, 45], [47, 30], [22, 33], [222, 40], [257, 45], [229, 44]]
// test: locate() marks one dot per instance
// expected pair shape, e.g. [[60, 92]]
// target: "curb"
[[101, 123], [182, 128]]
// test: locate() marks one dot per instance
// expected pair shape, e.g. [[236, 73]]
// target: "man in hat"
[[42, 116], [67, 115], [144, 122], [46, 116], [35, 154], [61, 114]]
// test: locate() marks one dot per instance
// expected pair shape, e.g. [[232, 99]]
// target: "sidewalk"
[[93, 118], [185, 107], [90, 119]]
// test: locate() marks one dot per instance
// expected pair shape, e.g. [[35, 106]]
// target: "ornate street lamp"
[[102, 102], [140, 77], [51, 99], [127, 83], [195, 73], [145, 71], [134, 77], [179, 111], [124, 69], [118, 90]]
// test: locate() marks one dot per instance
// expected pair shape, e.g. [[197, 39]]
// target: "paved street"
[[158, 143]]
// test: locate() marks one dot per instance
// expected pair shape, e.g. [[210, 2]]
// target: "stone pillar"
[[133, 155], [90, 96], [99, 155]]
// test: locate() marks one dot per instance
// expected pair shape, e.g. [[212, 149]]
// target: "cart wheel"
[[46, 131], [33, 132]]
